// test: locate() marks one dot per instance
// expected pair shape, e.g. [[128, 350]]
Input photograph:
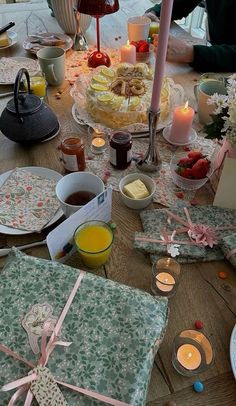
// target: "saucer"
[[166, 135]]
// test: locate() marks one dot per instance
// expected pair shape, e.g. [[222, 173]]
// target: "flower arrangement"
[[224, 116]]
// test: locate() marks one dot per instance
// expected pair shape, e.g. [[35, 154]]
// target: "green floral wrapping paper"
[[155, 221], [115, 330], [228, 244]]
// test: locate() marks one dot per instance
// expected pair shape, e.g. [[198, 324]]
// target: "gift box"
[[114, 330], [228, 246], [159, 225]]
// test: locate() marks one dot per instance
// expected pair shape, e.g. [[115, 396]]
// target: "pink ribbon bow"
[[46, 349]]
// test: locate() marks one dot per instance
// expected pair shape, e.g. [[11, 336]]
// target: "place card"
[[226, 192], [60, 241]]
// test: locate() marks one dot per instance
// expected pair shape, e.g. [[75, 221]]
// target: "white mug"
[[52, 63], [203, 91], [138, 28], [75, 182]]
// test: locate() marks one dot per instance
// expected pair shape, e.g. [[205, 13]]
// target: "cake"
[[4, 40], [120, 96]]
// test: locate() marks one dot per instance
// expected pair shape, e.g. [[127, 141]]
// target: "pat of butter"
[[4, 39], [136, 190]]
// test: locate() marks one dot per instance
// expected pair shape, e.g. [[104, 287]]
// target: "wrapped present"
[[228, 246], [105, 342], [191, 233]]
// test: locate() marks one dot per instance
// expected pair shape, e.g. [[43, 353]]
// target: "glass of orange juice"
[[38, 84], [93, 240]]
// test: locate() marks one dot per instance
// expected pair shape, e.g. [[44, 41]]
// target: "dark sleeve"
[[181, 8], [216, 58]]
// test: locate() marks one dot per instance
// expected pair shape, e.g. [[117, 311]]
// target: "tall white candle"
[[128, 53], [165, 20]]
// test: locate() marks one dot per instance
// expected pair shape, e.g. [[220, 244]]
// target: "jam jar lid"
[[121, 137]]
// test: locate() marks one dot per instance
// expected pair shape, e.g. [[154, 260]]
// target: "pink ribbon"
[[46, 349]]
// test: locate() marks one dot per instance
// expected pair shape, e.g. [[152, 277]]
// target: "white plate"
[[9, 68], [233, 351], [36, 170], [34, 47], [13, 38], [166, 135]]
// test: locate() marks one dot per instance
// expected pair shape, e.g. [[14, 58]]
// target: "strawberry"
[[195, 155], [186, 161], [200, 168], [187, 173], [144, 47]]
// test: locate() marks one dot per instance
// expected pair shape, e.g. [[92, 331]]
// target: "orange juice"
[[38, 85], [93, 241]]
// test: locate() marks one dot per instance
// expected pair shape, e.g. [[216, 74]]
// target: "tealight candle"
[[189, 356], [165, 281], [165, 277], [181, 124], [128, 53], [98, 145]]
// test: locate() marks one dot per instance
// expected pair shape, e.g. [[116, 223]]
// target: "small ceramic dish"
[[137, 204]]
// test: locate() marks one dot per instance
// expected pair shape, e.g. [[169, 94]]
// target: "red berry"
[[198, 324], [143, 48], [200, 168], [187, 173], [195, 155], [180, 195], [186, 161]]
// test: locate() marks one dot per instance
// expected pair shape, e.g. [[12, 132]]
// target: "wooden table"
[[201, 294]]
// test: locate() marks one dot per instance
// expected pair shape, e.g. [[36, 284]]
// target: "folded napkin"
[[27, 201], [228, 246], [169, 232]]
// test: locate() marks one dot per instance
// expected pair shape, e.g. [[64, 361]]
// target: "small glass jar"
[[72, 154], [165, 277], [120, 149]]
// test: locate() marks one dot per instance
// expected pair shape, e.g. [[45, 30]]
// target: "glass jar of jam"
[[120, 149], [73, 157]]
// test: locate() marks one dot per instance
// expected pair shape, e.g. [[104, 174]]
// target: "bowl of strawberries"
[[190, 170], [144, 50]]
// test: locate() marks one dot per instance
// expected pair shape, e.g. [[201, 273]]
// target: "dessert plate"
[[9, 68], [33, 47], [166, 135], [13, 38], [233, 351], [44, 172]]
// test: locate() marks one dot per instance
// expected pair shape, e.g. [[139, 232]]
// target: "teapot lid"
[[27, 104]]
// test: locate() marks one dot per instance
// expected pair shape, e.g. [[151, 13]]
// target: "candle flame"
[[128, 43], [190, 355], [186, 105]]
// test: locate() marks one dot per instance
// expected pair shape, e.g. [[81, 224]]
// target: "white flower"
[[232, 114]]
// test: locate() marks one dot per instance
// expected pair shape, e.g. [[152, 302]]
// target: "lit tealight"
[[98, 145]]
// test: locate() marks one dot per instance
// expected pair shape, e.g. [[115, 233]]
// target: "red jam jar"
[[73, 157], [120, 149]]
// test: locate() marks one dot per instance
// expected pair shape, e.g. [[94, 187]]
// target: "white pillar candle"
[[181, 124], [128, 53]]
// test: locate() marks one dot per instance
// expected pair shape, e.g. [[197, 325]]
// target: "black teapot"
[[26, 118]]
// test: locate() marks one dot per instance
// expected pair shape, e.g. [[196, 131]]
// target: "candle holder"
[[98, 141], [80, 42], [165, 277], [192, 353], [151, 161]]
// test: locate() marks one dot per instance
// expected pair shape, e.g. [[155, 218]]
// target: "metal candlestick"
[[80, 42], [151, 162]]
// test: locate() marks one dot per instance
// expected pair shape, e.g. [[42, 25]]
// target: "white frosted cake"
[[120, 96]]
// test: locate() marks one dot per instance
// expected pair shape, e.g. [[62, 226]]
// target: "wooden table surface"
[[201, 294]]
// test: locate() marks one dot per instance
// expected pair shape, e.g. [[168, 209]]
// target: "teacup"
[[77, 189], [203, 91], [138, 28], [52, 63]]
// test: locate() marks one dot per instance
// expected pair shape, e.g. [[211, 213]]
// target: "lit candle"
[[128, 53], [165, 281], [98, 145], [165, 19], [181, 124], [189, 356]]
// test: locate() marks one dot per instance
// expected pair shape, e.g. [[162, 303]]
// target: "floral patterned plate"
[[233, 351], [43, 172]]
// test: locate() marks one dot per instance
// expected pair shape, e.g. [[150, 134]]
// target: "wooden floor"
[[202, 294]]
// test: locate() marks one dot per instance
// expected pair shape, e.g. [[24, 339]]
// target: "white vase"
[[64, 14]]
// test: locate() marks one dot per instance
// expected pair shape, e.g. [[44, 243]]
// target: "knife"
[[6, 27]]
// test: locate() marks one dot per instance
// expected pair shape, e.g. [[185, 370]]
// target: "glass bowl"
[[185, 183]]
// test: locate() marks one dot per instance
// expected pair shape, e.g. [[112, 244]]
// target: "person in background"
[[220, 56]]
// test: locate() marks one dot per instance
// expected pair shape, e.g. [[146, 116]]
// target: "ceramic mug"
[[52, 63], [75, 182], [138, 28], [203, 91]]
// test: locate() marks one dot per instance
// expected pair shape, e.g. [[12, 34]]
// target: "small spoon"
[[5, 251]]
